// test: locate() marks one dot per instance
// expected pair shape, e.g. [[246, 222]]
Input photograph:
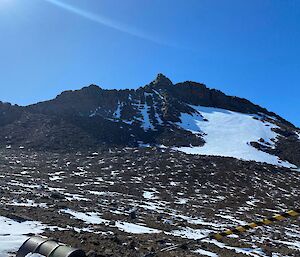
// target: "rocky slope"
[[131, 201], [160, 113]]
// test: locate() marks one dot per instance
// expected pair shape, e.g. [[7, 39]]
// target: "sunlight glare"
[[5, 3]]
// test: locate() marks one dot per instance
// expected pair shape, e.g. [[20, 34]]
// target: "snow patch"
[[189, 233], [93, 218], [181, 201], [13, 234], [117, 113], [206, 253], [148, 195], [134, 228], [229, 134], [191, 122], [298, 134], [146, 124], [89, 217], [158, 94], [247, 251]]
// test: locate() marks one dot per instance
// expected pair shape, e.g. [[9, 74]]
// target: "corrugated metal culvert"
[[48, 248]]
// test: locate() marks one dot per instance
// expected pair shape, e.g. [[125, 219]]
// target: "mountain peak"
[[160, 113], [162, 81], [92, 87]]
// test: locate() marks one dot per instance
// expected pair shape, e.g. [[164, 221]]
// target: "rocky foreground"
[[131, 201]]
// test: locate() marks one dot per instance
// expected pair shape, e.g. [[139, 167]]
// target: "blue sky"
[[249, 49]]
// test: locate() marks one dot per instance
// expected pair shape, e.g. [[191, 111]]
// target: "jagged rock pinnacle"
[[93, 87], [162, 81]]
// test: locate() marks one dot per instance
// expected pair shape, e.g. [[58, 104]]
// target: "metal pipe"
[[48, 248]]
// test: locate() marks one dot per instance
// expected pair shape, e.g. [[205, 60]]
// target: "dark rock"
[[133, 214], [18, 218], [112, 223], [93, 117], [57, 196]]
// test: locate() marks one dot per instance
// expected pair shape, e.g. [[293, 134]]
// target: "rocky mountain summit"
[[185, 116]]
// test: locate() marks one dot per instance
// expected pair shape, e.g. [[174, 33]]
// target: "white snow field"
[[13, 234], [228, 133]]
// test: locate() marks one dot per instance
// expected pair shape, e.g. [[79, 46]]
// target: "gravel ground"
[[129, 202]]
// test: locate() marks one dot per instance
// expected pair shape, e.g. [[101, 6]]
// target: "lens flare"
[[106, 21]]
